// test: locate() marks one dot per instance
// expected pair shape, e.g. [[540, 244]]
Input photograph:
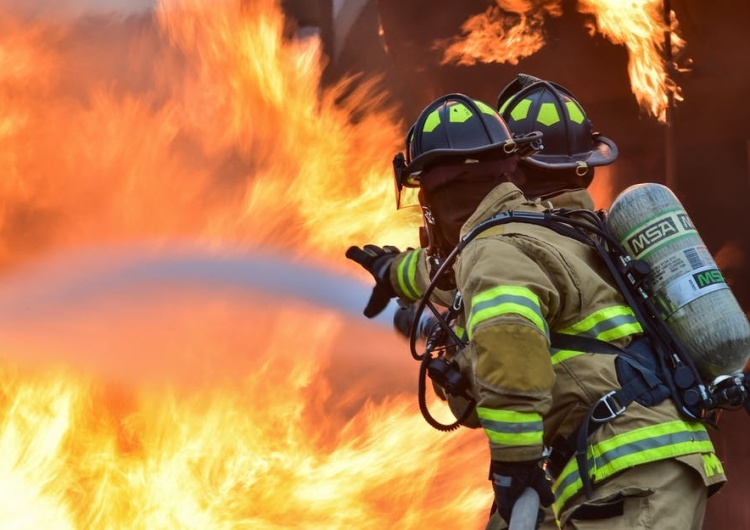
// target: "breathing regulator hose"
[[445, 373]]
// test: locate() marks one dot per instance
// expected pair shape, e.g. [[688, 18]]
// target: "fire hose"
[[525, 511]]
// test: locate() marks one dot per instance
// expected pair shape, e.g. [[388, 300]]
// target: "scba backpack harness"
[[651, 369]]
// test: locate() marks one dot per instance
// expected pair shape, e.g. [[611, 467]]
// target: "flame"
[[148, 406], [640, 27], [512, 30], [496, 37], [261, 441], [602, 188], [210, 126]]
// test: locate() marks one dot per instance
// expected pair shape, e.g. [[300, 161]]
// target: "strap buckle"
[[612, 410]]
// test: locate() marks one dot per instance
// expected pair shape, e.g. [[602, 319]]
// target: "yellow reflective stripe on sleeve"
[[406, 272], [610, 323], [559, 356], [639, 446], [503, 300], [460, 332], [509, 427]]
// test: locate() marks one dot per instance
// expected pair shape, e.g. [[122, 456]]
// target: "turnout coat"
[[519, 282]]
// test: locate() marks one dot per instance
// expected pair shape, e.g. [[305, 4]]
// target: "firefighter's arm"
[[410, 276], [508, 299]]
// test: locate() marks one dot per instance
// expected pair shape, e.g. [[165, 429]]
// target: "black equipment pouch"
[[639, 366], [638, 370]]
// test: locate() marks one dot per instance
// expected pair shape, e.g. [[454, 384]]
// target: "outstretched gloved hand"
[[510, 479], [377, 261]]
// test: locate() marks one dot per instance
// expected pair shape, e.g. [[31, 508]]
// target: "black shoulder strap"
[[629, 391], [609, 406], [563, 341]]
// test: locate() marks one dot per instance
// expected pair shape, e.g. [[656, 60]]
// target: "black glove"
[[377, 261], [510, 479]]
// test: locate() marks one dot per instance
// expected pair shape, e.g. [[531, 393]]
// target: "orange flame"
[[183, 408], [512, 30], [496, 37], [211, 125], [641, 28], [223, 427]]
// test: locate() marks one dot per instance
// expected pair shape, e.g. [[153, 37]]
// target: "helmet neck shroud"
[[543, 183], [451, 193]]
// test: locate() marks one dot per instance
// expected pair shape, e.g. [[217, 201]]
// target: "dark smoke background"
[[708, 142]]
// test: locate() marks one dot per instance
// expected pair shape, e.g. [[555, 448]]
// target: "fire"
[[128, 403], [210, 126], [504, 33], [641, 28], [512, 30], [224, 428]]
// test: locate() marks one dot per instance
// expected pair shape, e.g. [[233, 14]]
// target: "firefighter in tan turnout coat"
[[647, 466]]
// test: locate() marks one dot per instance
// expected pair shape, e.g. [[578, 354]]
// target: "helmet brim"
[[604, 153], [504, 149]]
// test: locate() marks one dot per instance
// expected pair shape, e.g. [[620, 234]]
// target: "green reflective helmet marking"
[[459, 113], [505, 105], [574, 111], [486, 109], [548, 114], [432, 121], [521, 110]]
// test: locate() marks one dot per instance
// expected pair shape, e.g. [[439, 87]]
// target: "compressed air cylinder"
[[687, 286]]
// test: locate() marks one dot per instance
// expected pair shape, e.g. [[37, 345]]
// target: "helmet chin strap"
[[436, 249]]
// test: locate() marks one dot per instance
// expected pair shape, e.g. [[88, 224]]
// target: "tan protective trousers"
[[664, 495]]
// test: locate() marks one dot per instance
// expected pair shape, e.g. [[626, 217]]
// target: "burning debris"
[[512, 30]]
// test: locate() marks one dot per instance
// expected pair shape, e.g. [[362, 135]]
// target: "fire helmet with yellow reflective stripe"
[[454, 129], [570, 143]]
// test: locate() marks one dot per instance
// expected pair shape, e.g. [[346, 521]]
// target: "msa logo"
[[708, 278], [685, 221], [653, 234]]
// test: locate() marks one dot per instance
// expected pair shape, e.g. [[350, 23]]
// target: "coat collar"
[[507, 196]]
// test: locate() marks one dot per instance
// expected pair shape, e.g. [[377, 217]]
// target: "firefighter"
[[647, 466]]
